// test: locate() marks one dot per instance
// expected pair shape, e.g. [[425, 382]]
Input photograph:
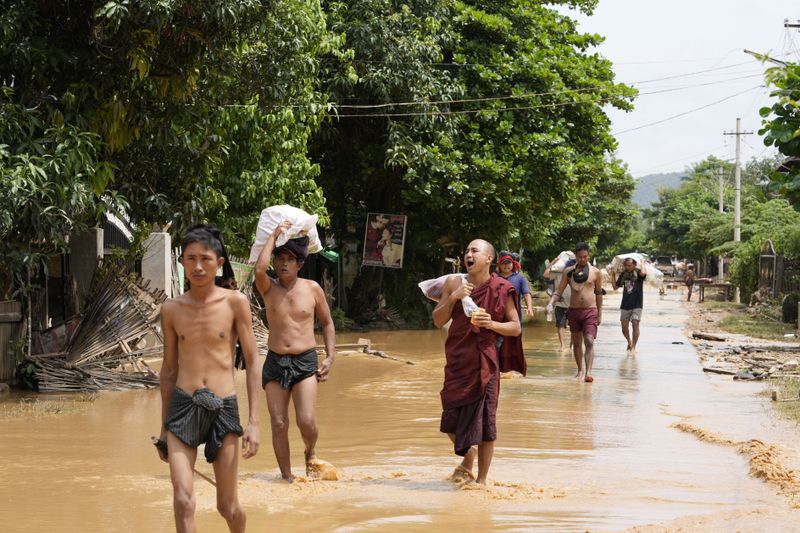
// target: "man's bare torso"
[[206, 337], [290, 315], [583, 294]]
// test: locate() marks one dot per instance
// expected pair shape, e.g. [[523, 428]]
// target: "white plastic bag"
[[303, 225], [433, 288], [654, 276]]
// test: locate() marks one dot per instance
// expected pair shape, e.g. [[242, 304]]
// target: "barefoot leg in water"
[[304, 394], [588, 340], [278, 406], [577, 351]]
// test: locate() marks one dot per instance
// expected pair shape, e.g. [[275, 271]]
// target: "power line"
[[687, 112], [531, 95], [709, 151], [528, 95]]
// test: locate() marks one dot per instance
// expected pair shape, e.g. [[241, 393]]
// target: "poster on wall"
[[384, 240]]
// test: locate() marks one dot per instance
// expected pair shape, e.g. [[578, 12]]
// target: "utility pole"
[[737, 176], [721, 267]]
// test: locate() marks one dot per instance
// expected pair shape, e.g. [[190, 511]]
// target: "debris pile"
[[749, 362], [106, 350]]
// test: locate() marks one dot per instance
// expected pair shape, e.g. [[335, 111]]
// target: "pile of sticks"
[[119, 312], [258, 314]]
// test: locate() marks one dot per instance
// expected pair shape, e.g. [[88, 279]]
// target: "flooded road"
[[570, 456]]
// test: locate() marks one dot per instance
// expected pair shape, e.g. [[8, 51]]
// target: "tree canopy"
[[781, 127], [175, 112], [686, 221], [474, 119]]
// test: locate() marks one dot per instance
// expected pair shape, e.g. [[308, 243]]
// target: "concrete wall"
[[157, 262], [84, 251]]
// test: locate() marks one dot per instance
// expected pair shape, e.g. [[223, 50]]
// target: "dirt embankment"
[[739, 355]]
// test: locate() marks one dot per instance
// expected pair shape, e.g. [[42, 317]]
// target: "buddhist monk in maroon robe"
[[474, 362]]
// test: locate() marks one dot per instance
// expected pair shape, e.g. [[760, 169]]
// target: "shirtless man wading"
[[291, 370], [585, 308], [197, 389]]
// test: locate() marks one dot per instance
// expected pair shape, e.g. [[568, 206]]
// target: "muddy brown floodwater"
[[570, 456]]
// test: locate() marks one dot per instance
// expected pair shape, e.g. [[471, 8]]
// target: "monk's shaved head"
[[486, 246]]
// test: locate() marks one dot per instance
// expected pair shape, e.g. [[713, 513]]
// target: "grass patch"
[[787, 388], [711, 304], [763, 322], [759, 327], [36, 408]]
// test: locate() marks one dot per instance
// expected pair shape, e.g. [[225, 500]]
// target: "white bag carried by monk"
[[432, 288], [303, 225]]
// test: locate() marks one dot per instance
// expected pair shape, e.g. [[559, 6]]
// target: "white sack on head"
[[560, 263], [618, 263], [654, 276], [303, 225]]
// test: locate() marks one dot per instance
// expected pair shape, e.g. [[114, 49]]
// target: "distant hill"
[[647, 187]]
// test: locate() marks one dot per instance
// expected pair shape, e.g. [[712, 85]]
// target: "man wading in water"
[[198, 396], [585, 308], [472, 371], [291, 370]]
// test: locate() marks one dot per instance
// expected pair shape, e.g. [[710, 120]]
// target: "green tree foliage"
[[781, 126], [486, 121], [604, 216], [686, 221], [775, 220], [51, 182], [526, 162], [192, 110]]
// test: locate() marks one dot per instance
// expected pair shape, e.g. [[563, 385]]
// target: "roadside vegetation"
[[762, 322], [786, 393]]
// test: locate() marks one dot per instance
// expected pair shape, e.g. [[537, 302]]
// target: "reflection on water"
[[569, 455]]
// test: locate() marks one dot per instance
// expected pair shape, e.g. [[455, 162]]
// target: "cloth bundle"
[[303, 225]]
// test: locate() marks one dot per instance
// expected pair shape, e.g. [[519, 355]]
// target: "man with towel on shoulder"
[[473, 361], [585, 308]]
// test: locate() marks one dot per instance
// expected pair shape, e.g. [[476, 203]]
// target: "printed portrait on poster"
[[383, 240]]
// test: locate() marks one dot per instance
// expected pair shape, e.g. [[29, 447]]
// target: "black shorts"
[[288, 369], [561, 317]]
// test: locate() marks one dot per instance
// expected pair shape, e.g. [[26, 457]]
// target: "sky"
[[698, 45]]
